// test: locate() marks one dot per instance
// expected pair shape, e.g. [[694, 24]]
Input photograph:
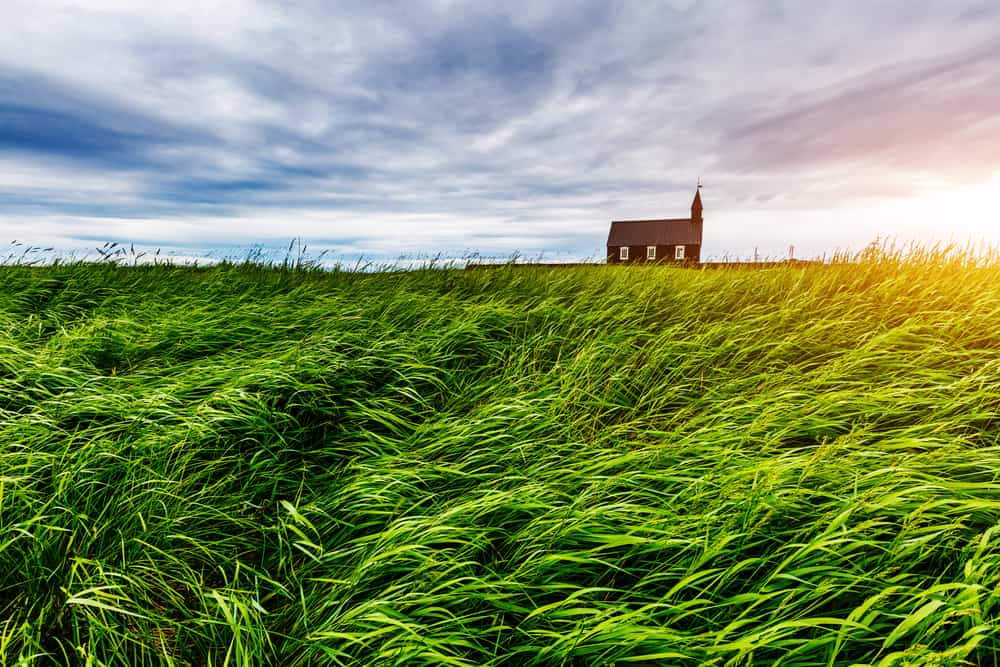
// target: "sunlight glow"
[[962, 214]]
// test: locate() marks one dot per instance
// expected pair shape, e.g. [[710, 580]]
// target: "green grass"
[[587, 466]]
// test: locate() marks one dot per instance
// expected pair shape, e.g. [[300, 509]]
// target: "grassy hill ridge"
[[239, 465]]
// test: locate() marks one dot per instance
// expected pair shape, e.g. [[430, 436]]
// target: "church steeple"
[[696, 204]]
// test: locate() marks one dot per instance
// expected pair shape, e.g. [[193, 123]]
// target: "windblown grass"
[[585, 466]]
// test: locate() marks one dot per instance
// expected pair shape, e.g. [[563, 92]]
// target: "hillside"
[[585, 466]]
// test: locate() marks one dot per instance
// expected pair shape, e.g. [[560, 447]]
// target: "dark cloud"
[[924, 115], [39, 116], [468, 76], [55, 133]]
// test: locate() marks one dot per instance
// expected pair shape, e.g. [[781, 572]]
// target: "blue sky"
[[427, 127]]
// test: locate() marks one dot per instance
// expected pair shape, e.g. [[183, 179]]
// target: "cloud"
[[440, 124], [926, 115], [43, 117]]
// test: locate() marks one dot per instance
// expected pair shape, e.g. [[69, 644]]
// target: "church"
[[657, 241]]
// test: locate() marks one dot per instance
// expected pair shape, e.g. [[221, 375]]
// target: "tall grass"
[[515, 466]]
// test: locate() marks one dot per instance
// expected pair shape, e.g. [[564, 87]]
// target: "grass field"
[[588, 466]]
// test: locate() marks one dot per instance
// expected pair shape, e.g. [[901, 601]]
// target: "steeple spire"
[[696, 204]]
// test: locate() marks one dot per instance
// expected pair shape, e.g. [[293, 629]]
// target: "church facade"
[[666, 241]]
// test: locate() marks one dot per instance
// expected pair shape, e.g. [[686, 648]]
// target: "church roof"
[[676, 231]]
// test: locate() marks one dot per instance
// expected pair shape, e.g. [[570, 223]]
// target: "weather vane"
[[699, 182]]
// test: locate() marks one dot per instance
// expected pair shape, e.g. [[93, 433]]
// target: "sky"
[[444, 128]]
